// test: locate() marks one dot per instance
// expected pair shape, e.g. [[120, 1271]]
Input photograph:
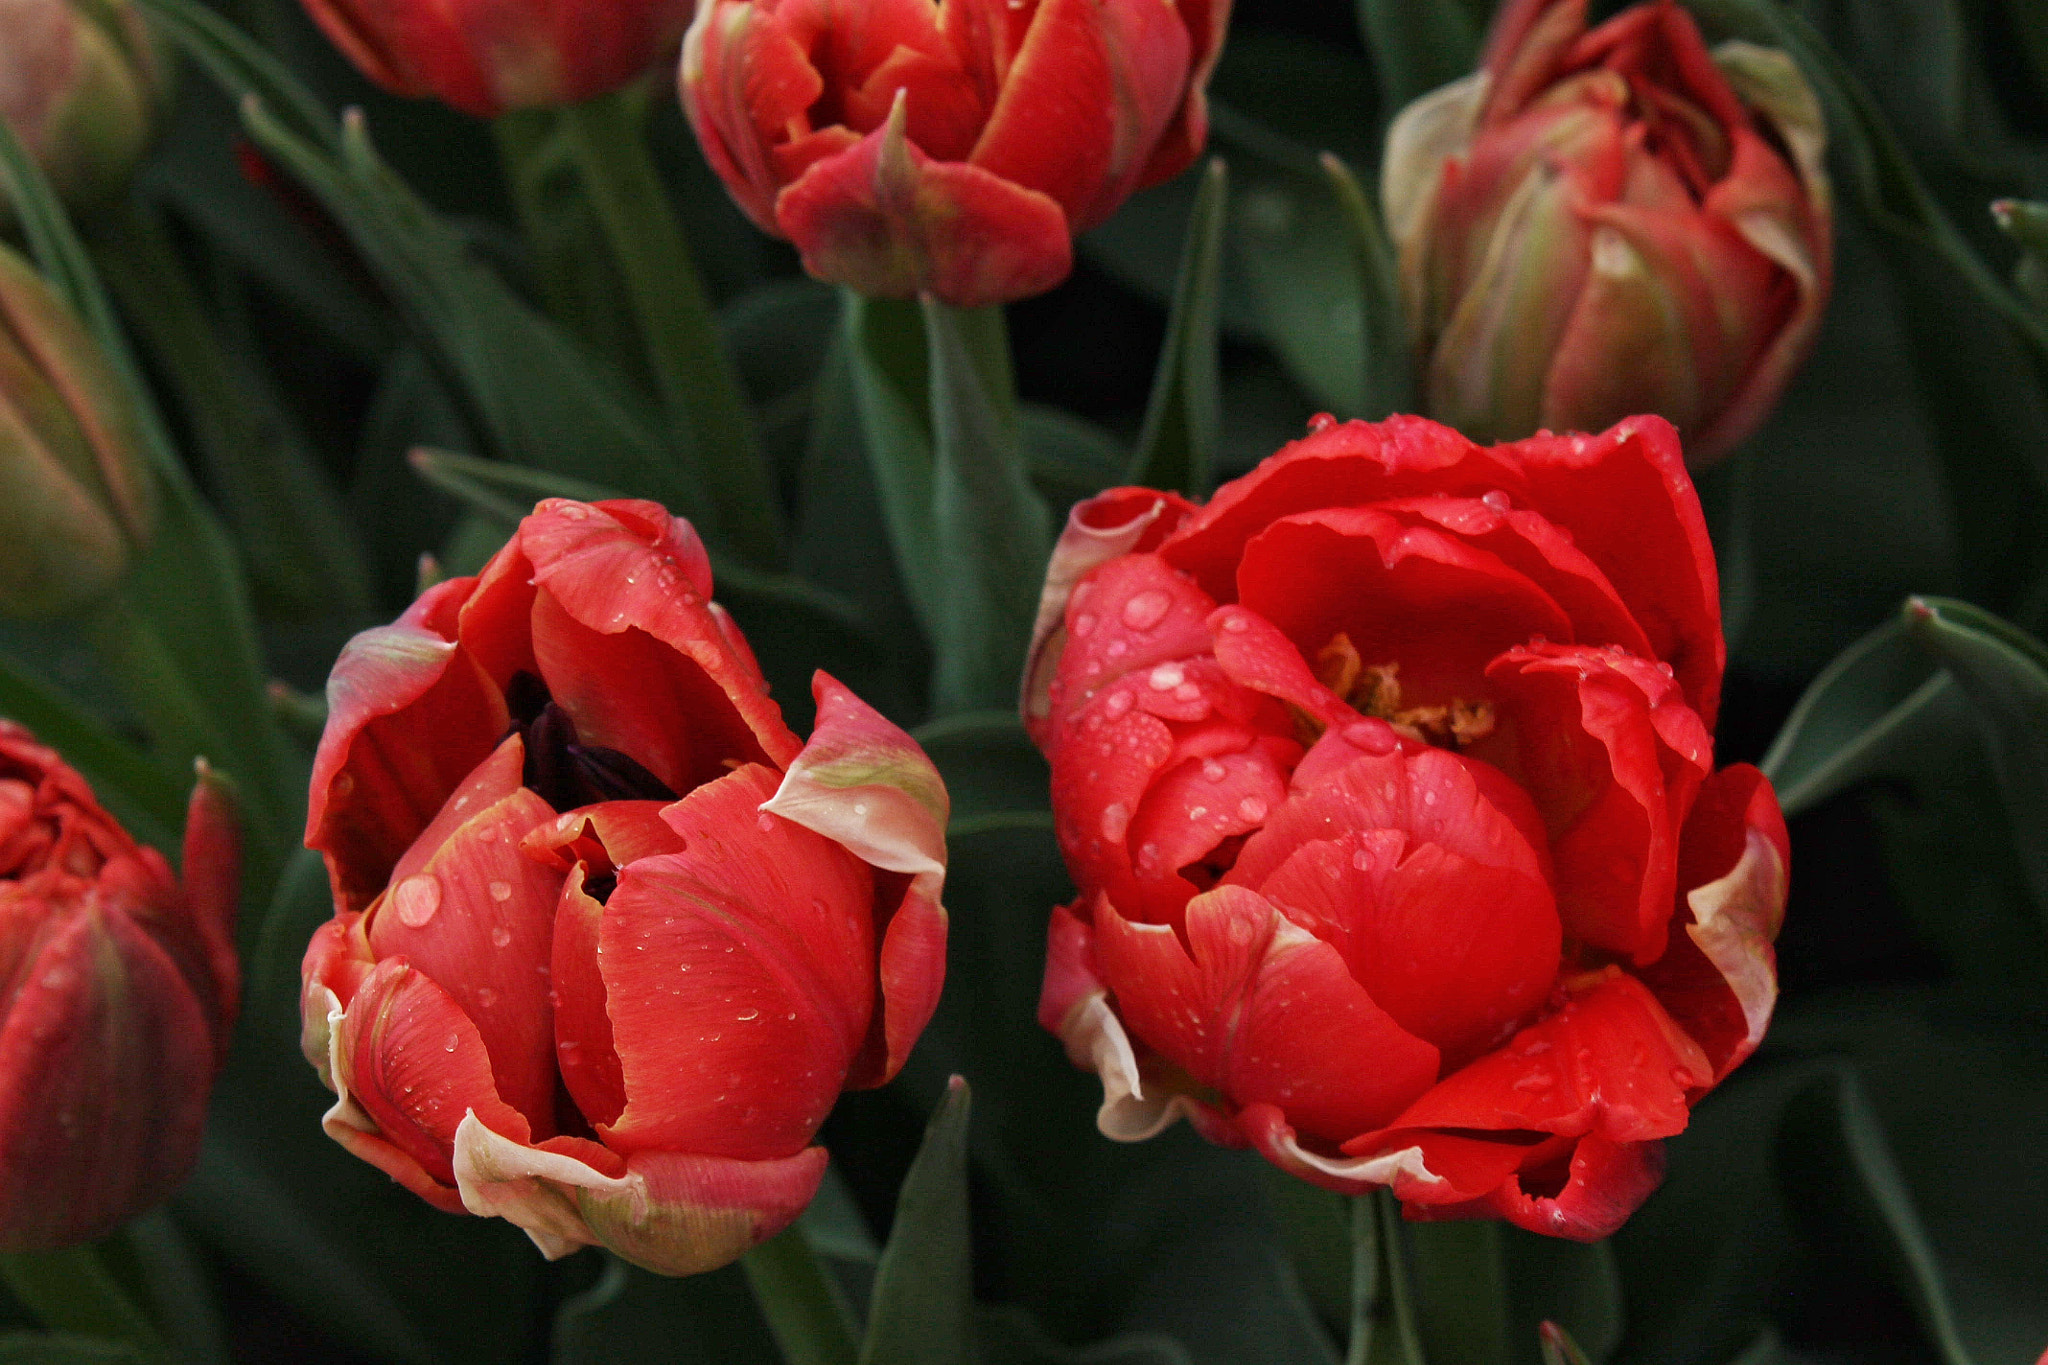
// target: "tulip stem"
[[1382, 1305], [73, 1291], [805, 1310], [698, 383]]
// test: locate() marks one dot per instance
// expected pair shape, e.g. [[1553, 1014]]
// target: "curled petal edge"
[[351, 1126], [1737, 918], [1096, 1041], [672, 1213], [1401, 1168]]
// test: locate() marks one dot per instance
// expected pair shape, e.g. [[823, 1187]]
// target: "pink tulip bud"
[[954, 149], [82, 83], [1597, 224], [76, 499], [121, 991]]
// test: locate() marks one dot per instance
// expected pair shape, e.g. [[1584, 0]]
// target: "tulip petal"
[[1118, 522], [584, 1047], [1617, 493], [408, 1065], [743, 79], [671, 1212], [740, 978], [1268, 1130], [1613, 757], [1719, 979], [476, 915], [1132, 612], [1262, 1011], [1597, 1184], [1254, 654], [886, 219], [198, 930], [867, 786], [408, 717], [1339, 464], [1120, 68], [105, 1061]]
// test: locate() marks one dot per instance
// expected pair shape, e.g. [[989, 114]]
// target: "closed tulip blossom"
[[1606, 222], [952, 148], [485, 57], [609, 939], [82, 85], [121, 987], [1387, 780]]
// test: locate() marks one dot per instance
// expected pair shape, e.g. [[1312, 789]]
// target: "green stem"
[[805, 1310], [73, 1291], [288, 517], [696, 378], [1382, 1308]]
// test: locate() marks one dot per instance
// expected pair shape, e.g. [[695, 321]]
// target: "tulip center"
[[563, 772], [1375, 690]]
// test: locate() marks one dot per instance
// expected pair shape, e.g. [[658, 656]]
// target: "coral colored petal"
[[1119, 522], [1605, 1183], [584, 1048], [1719, 979], [1394, 590], [740, 976], [1130, 613], [408, 717], [336, 962], [1255, 654], [409, 1062], [105, 1062], [610, 834], [1184, 138], [744, 78], [475, 914], [1263, 1012], [198, 928], [1456, 951], [629, 647], [887, 220], [1085, 102], [1629, 504], [1194, 805], [1609, 1061], [1345, 464]]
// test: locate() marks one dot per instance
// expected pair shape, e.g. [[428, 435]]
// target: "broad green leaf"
[[2004, 673], [804, 1307], [632, 1315], [1879, 698], [923, 1310], [1387, 386], [1177, 445], [989, 763], [1461, 1292], [65, 1348], [1418, 45], [174, 1284], [1848, 1180], [1070, 458], [74, 1290]]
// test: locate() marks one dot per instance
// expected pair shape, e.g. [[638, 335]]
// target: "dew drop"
[[1187, 692], [344, 784], [1115, 820], [1146, 610], [1117, 649], [748, 1016], [1252, 808], [501, 891], [1497, 500], [1360, 861], [486, 997], [1429, 798], [1118, 704], [501, 937], [1166, 677], [1083, 625], [1197, 812], [417, 898], [452, 1043], [57, 978], [1321, 422], [1236, 625], [766, 822], [860, 808], [1214, 771], [487, 834], [1536, 1082]]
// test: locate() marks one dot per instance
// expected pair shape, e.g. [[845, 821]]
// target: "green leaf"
[[804, 1307], [65, 1348], [632, 1315], [1870, 707], [989, 763], [1316, 1225], [1383, 1321], [2004, 673], [1070, 458], [1177, 445], [1418, 45], [2027, 224], [73, 1290], [923, 1310], [1461, 1291], [1388, 386], [1849, 1183], [1010, 1336], [173, 1283]]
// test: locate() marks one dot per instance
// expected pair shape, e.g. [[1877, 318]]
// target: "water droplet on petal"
[[417, 898], [1497, 500], [1166, 677], [1115, 820], [1252, 808], [1118, 704], [1083, 624], [1236, 625], [766, 822], [501, 937], [1146, 610], [748, 1016], [1214, 771], [452, 1043], [486, 997], [501, 891]]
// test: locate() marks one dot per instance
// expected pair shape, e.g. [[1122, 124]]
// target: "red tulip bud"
[[954, 149], [76, 498], [121, 990], [1602, 223]]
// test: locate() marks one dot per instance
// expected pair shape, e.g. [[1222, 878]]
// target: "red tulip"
[[487, 56], [1387, 779], [1601, 223], [121, 991], [956, 148], [609, 939]]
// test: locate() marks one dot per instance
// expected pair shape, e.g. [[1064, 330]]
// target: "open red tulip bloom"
[[609, 939], [1610, 221], [121, 984], [955, 148], [1387, 779], [487, 56]]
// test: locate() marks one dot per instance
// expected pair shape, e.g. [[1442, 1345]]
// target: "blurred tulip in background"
[[487, 56], [1601, 223], [76, 498], [610, 940], [121, 986], [1387, 780], [955, 149], [82, 84]]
